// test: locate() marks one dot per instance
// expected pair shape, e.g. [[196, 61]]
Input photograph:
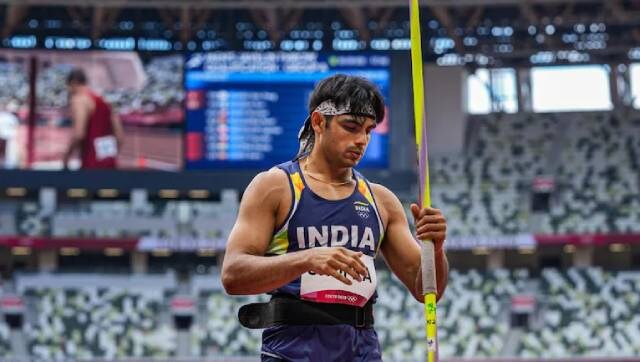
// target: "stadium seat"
[[89, 322], [593, 157], [5, 347], [587, 313], [217, 332]]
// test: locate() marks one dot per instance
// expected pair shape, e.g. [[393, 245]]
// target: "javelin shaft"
[[429, 287], [418, 105]]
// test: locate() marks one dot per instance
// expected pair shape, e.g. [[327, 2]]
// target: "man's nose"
[[362, 138]]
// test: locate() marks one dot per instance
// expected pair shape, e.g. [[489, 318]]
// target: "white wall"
[[446, 118]]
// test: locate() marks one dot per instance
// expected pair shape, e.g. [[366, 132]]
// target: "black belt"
[[289, 310]]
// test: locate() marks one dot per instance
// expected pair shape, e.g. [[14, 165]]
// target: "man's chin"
[[349, 162]]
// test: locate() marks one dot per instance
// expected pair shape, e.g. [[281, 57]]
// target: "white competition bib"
[[327, 289], [106, 147]]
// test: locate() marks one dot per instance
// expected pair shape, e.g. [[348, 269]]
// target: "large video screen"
[[143, 89], [244, 109]]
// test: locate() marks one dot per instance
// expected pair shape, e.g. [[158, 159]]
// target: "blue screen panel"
[[244, 109]]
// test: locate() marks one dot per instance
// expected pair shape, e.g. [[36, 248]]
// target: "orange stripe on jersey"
[[364, 190], [298, 185]]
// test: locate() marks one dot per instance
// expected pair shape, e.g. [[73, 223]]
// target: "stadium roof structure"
[[307, 4], [465, 32]]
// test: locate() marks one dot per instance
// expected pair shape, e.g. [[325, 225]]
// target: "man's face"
[[72, 88], [345, 139]]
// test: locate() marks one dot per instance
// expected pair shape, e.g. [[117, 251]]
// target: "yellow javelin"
[[428, 264]]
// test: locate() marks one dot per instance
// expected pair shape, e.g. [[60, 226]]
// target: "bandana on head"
[[328, 108]]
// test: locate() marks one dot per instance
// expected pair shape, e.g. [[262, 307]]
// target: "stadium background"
[[534, 135]]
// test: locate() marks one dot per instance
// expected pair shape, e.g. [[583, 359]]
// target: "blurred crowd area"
[[592, 159], [162, 87], [577, 312]]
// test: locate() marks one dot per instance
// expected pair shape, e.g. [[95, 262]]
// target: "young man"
[[308, 231], [97, 131]]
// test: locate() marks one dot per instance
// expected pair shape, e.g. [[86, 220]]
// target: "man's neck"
[[319, 165], [82, 90]]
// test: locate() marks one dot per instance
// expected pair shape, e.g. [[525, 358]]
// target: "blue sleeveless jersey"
[[354, 223]]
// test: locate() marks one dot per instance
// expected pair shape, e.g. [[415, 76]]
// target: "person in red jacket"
[[97, 131]]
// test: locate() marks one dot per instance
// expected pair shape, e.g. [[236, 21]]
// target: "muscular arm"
[[80, 110], [245, 269], [401, 250], [116, 125]]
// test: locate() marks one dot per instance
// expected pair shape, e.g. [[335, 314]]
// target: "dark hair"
[[342, 89], [78, 76]]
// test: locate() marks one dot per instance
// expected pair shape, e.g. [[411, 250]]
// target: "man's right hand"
[[331, 260]]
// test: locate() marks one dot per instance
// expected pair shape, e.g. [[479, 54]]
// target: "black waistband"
[[289, 310]]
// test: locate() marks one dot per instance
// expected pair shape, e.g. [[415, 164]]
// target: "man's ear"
[[317, 122]]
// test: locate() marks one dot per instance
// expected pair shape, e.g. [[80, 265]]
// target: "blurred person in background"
[[97, 131], [9, 143], [308, 232]]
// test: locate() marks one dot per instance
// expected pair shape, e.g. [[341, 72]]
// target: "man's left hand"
[[430, 225]]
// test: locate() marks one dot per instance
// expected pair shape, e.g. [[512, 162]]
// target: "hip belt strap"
[[289, 310]]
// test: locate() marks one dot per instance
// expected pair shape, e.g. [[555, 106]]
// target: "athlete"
[[308, 230], [97, 131]]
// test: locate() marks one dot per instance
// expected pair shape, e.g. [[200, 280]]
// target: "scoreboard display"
[[244, 109]]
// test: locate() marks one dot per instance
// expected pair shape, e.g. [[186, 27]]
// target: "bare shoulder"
[[81, 100], [272, 176], [388, 202], [267, 181], [383, 195], [268, 188]]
